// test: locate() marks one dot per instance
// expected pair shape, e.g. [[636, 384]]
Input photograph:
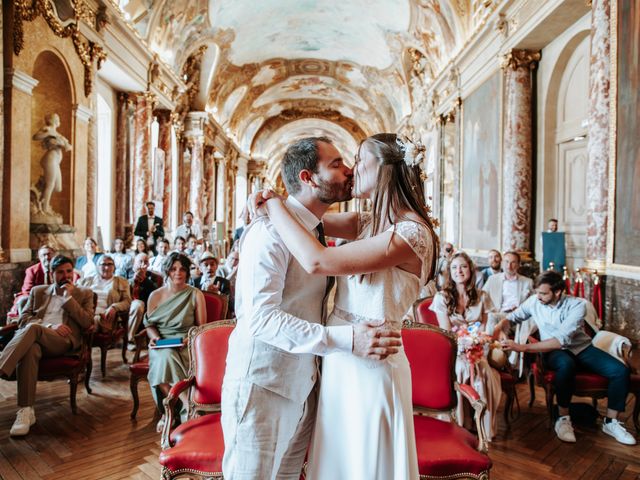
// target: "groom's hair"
[[302, 155]]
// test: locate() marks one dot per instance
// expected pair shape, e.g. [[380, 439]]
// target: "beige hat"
[[207, 256]]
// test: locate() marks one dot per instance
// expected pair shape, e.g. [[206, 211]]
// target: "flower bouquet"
[[472, 343]]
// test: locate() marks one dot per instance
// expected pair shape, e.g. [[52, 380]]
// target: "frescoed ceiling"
[[277, 70]]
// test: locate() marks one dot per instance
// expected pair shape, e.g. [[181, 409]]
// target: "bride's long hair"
[[399, 188]]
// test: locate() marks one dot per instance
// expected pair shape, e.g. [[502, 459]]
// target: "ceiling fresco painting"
[[347, 68]]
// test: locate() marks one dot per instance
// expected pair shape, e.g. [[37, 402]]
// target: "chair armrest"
[[169, 404], [10, 327], [479, 408]]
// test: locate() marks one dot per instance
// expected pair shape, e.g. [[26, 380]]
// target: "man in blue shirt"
[[566, 346]]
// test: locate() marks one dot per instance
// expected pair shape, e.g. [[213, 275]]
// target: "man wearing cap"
[[208, 264]]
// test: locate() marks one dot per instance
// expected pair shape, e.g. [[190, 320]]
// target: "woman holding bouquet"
[[462, 308]]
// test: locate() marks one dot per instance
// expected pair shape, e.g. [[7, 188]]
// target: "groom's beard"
[[332, 192]]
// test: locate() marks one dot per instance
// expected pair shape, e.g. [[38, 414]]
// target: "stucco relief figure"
[[55, 145]]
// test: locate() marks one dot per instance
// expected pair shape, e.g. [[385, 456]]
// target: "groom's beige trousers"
[[275, 432]]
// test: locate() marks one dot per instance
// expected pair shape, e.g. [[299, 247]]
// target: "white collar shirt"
[[54, 312], [279, 303]]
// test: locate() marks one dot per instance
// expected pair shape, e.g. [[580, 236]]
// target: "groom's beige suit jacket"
[[279, 308]]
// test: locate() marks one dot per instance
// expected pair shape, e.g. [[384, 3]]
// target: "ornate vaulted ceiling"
[[277, 70]]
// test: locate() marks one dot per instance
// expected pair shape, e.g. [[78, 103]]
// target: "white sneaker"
[[24, 419], [564, 430], [617, 431]]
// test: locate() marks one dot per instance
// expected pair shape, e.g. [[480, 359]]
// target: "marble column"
[[210, 186], [518, 150], [91, 168], [598, 139], [18, 91], [194, 135], [141, 169], [221, 187], [164, 144], [123, 164]]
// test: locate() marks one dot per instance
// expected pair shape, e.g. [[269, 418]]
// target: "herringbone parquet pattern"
[[101, 442]]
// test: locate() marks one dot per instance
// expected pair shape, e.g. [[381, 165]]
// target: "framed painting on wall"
[[624, 176], [481, 167]]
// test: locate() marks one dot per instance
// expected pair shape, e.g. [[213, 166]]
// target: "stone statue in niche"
[[55, 145]]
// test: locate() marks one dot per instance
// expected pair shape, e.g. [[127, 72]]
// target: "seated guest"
[[122, 259], [552, 225], [155, 264], [51, 324], [188, 228], [87, 264], [458, 305], [508, 289], [566, 347], [208, 266], [173, 309], [192, 249], [142, 284], [230, 266], [112, 293], [141, 247], [179, 245], [34, 275], [495, 262]]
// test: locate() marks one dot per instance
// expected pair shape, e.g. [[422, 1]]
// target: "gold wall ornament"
[[517, 58], [88, 51]]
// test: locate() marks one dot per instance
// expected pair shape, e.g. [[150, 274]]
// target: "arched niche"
[[53, 94]]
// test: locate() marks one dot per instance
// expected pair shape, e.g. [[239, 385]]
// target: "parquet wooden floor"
[[101, 442]]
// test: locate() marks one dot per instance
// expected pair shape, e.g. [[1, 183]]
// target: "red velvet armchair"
[[587, 384], [217, 305], [72, 367], [107, 340], [445, 450], [196, 447], [422, 313]]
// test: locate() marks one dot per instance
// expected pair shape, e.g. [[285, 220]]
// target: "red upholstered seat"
[[445, 450], [506, 378], [140, 368], [217, 305], [198, 447], [588, 384], [58, 365], [423, 314], [445, 447]]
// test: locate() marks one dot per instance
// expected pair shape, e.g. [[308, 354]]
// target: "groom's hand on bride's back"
[[375, 341]]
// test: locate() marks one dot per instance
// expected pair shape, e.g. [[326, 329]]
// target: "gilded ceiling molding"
[[88, 51], [516, 59]]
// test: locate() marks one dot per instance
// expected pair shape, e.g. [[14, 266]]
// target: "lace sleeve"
[[420, 241]]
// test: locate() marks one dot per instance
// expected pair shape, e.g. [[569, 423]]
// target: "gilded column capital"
[[517, 58]]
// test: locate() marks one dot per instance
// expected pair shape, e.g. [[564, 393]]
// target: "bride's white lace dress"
[[364, 426]]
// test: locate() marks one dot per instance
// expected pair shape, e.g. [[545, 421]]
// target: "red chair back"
[[432, 356], [216, 306], [423, 314], [208, 346]]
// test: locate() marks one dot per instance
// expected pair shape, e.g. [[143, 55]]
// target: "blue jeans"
[[565, 363]]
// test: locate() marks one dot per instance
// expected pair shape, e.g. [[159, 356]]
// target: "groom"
[[269, 392]]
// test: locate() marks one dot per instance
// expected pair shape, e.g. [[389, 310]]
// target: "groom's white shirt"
[[279, 312]]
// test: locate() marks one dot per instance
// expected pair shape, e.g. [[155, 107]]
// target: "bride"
[[364, 425]]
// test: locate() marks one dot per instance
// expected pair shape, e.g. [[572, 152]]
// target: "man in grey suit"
[[51, 324], [269, 392]]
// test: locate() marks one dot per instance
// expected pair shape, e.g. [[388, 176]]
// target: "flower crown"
[[414, 152]]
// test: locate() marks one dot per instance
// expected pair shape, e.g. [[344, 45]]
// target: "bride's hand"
[[257, 201]]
